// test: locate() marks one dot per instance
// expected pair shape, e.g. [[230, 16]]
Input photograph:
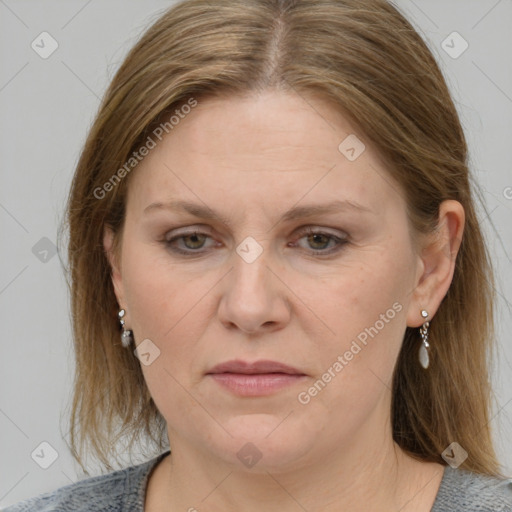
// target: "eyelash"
[[308, 231]]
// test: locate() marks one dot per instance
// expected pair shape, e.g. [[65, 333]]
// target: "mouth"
[[259, 378]]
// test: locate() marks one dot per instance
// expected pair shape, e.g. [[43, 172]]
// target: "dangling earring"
[[423, 353], [126, 336]]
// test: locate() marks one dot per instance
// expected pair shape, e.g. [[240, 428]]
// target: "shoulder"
[[117, 491], [462, 490]]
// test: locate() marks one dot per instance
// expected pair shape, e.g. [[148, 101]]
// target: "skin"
[[252, 158]]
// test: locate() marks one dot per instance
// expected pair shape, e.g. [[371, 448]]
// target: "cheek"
[[156, 292], [357, 295], [364, 306], [366, 311], [165, 307]]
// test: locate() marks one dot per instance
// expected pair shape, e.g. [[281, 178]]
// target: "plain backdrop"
[[47, 106]]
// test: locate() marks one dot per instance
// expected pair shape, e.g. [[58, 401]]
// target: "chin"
[[263, 443]]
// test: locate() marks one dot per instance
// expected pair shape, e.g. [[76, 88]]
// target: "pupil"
[[317, 238], [194, 239]]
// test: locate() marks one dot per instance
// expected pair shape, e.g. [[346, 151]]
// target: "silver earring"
[[423, 353], [126, 335]]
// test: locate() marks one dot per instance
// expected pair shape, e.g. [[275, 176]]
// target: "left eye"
[[319, 241]]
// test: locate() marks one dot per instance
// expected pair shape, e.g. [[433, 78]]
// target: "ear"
[[108, 245], [437, 265]]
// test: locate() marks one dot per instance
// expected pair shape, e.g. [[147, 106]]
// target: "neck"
[[358, 477]]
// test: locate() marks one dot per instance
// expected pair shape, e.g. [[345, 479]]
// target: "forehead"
[[261, 146]]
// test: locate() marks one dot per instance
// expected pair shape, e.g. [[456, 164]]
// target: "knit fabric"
[[463, 491], [119, 491], [125, 490]]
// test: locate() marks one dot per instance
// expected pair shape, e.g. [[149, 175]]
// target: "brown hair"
[[368, 59]]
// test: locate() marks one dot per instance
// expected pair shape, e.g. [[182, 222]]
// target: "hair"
[[364, 56]]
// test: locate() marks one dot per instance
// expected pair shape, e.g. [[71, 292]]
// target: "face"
[[297, 250]]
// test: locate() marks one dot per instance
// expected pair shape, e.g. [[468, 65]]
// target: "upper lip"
[[263, 366]]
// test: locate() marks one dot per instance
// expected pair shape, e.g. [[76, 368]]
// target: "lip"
[[258, 378], [256, 367]]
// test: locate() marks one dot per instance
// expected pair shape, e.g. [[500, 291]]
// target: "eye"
[[192, 241], [319, 241]]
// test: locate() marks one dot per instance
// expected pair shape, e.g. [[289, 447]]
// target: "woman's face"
[[256, 173]]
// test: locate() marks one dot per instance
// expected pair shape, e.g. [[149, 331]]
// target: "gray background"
[[47, 106]]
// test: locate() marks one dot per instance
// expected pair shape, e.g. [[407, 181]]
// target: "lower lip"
[[260, 384]]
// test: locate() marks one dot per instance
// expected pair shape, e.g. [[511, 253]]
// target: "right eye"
[[192, 241]]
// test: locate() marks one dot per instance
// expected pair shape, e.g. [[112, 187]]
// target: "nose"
[[254, 298]]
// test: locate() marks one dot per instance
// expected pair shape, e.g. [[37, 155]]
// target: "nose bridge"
[[250, 274], [252, 297]]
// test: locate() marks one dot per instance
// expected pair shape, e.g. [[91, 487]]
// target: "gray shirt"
[[125, 490]]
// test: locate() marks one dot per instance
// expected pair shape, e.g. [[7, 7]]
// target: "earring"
[[127, 335], [423, 353]]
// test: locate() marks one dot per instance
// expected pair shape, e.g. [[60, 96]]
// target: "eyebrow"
[[297, 212]]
